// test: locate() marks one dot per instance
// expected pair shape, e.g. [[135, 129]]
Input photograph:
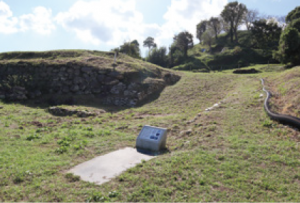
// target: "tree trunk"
[[185, 52], [236, 36], [231, 35]]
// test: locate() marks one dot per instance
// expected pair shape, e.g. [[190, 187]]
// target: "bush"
[[289, 47]]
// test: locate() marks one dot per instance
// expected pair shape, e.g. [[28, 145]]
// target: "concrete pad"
[[103, 168]]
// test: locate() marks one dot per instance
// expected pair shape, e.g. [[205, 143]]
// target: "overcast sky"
[[37, 25]]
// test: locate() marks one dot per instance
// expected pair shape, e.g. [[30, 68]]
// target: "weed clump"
[[72, 178], [32, 137], [97, 197]]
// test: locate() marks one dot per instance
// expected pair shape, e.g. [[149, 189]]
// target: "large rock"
[[116, 75], [87, 70], [118, 89], [65, 89], [75, 88], [78, 80], [134, 86], [130, 93]]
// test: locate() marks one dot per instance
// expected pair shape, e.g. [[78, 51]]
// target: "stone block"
[[151, 139]]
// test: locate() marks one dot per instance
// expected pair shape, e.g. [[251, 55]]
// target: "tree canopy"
[[216, 26], [293, 15], [208, 37], [289, 47], [201, 28], [131, 48], [184, 41], [158, 56], [233, 14], [266, 34], [289, 44], [250, 17], [149, 42], [295, 24]]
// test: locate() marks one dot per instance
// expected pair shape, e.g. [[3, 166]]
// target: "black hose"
[[285, 119]]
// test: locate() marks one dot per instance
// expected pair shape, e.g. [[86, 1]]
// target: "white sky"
[[105, 24]]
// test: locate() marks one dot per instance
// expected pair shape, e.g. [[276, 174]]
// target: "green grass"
[[234, 153], [97, 59]]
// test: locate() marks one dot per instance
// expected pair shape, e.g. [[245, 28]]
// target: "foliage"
[[158, 56], [176, 56], [208, 37], [265, 34], [233, 14], [295, 24], [293, 15], [131, 48], [200, 29], [289, 44], [289, 47], [225, 55], [184, 41], [216, 26], [149, 42]]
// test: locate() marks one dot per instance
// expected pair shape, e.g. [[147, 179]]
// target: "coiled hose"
[[285, 119]]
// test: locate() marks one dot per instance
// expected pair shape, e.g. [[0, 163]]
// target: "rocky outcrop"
[[113, 87]]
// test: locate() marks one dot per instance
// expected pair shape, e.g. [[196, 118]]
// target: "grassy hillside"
[[224, 55], [102, 60], [231, 153], [286, 92]]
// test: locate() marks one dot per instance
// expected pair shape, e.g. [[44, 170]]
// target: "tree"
[[266, 33], [131, 49], [201, 28], [184, 41], [289, 47], [234, 13], [158, 56], [250, 17], [208, 37], [289, 44], [295, 24], [149, 42], [136, 44], [293, 15], [216, 26], [172, 50]]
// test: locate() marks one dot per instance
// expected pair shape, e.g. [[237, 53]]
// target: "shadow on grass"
[[47, 101]]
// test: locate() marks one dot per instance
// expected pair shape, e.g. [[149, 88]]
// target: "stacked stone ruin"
[[113, 87]]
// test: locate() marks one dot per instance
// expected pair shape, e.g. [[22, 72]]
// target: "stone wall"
[[27, 80]]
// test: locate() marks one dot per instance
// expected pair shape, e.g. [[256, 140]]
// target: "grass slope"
[[232, 153], [286, 92], [98, 59], [229, 55]]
